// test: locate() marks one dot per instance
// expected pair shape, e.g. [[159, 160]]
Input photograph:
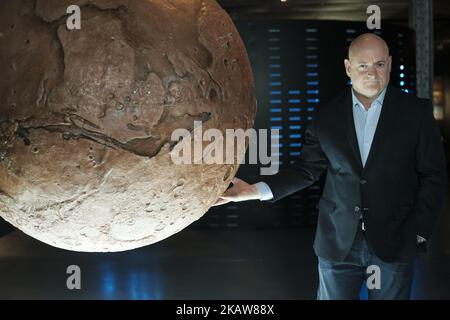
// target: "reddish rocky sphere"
[[86, 117]]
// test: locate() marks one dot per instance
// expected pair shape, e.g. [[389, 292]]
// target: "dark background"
[[256, 250]]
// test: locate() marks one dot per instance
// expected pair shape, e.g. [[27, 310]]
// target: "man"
[[385, 179]]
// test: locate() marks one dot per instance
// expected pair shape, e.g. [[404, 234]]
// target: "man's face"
[[369, 68]]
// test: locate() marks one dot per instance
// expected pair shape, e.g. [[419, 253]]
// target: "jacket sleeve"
[[432, 172], [305, 171]]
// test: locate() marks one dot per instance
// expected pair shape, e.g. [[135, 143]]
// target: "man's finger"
[[236, 180], [221, 201]]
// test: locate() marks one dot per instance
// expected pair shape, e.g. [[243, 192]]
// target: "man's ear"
[[347, 67], [390, 63]]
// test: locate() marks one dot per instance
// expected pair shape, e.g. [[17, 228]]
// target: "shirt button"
[[357, 208], [362, 181]]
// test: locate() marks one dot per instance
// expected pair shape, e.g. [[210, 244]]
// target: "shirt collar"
[[378, 101]]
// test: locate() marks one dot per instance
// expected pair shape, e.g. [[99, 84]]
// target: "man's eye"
[[362, 66], [380, 65]]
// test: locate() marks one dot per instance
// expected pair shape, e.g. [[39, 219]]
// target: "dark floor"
[[197, 264]]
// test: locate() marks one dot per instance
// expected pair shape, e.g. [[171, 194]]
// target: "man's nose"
[[371, 71]]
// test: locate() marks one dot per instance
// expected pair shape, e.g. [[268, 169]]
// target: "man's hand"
[[240, 191]]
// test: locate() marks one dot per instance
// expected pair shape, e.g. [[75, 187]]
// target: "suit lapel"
[[350, 129], [384, 126]]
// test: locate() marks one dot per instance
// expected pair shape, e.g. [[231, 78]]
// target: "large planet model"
[[87, 116]]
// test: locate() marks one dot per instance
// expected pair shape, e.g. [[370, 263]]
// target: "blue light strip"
[[277, 118]]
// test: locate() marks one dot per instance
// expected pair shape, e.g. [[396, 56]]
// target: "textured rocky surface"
[[86, 117]]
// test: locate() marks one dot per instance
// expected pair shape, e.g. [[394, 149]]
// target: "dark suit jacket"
[[399, 191]]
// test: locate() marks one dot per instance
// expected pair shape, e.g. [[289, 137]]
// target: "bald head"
[[368, 66], [367, 41]]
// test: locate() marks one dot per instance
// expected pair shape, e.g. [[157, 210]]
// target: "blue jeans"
[[342, 280]]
